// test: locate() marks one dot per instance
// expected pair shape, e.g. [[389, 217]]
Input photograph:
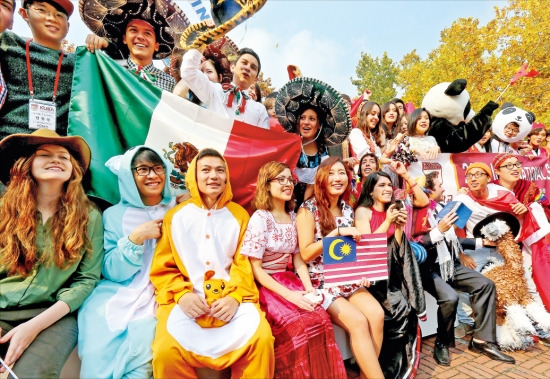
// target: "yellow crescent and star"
[[345, 249]]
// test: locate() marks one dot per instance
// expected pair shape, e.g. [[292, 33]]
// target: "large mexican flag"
[[114, 110]]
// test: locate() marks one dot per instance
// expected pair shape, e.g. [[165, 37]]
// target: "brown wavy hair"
[[18, 211], [321, 195], [262, 198], [362, 123]]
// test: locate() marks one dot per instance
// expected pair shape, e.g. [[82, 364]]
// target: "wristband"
[[411, 189]]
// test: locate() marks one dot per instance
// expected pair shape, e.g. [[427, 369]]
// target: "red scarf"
[[502, 203], [539, 250], [540, 261]]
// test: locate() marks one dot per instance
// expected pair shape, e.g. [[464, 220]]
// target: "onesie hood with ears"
[[510, 113], [192, 185], [121, 166]]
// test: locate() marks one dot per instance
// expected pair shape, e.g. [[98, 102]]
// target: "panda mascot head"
[[454, 125], [521, 120], [449, 100]]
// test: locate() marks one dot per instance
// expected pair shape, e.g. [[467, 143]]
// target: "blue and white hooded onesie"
[[117, 321]]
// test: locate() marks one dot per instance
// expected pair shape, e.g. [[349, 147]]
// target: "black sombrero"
[[302, 92], [108, 19], [227, 14], [508, 218]]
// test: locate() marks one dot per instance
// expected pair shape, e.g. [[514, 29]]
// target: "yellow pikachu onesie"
[[195, 240]]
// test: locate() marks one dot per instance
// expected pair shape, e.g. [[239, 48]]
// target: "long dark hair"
[[321, 194], [390, 132], [321, 119], [362, 124], [365, 199], [413, 120]]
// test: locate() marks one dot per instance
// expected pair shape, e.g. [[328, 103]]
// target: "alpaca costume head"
[[213, 290], [449, 100]]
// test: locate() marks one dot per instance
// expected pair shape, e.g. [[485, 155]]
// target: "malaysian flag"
[[346, 262]]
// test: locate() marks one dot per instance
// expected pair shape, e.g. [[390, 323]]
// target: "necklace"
[[281, 218], [313, 140]]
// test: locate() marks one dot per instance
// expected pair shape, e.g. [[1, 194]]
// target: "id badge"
[[42, 114]]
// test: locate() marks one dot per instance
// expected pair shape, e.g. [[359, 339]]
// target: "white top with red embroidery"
[[270, 241]]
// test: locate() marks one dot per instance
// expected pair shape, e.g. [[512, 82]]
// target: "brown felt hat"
[[16, 146]]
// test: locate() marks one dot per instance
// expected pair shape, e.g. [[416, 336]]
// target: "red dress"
[[304, 341], [378, 219]]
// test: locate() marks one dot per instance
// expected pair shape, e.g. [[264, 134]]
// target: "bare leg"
[[369, 306], [353, 321]]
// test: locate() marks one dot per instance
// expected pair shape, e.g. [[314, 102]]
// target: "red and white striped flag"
[[113, 109], [346, 262]]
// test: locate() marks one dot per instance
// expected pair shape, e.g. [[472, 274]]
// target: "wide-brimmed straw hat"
[[109, 19], [16, 146], [302, 93], [227, 14]]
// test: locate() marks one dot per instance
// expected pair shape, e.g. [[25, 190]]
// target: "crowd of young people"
[[131, 285]]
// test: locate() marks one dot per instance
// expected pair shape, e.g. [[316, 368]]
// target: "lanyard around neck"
[[29, 73]]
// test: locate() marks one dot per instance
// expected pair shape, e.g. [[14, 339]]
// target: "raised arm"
[[197, 81], [458, 138], [420, 198]]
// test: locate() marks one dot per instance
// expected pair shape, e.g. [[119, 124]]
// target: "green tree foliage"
[[377, 74], [488, 57], [265, 85]]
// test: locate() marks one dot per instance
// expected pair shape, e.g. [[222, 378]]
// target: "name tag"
[[42, 114]]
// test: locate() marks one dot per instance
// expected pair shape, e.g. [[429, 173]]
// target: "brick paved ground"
[[533, 363]]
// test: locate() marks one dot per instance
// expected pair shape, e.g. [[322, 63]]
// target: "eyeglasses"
[[476, 175], [284, 180], [511, 129], [60, 16], [146, 170], [510, 166]]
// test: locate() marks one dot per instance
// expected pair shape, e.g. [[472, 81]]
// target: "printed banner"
[[452, 170]]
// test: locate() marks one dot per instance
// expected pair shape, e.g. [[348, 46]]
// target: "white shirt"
[[479, 212], [211, 94], [359, 144]]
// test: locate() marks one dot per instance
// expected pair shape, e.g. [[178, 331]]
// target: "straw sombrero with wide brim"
[[16, 146], [108, 19], [508, 218], [301, 93], [227, 14]]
